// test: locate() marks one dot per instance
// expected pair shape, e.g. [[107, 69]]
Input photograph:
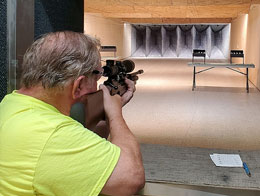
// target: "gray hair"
[[58, 58]]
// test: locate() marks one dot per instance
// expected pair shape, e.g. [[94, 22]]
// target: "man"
[[45, 152]]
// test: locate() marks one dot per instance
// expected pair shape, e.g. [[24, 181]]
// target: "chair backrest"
[[198, 52], [108, 49], [236, 53]]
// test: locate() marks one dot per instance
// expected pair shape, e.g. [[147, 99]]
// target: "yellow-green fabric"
[[43, 152]]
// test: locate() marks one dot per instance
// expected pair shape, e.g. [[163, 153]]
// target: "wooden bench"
[[193, 166]]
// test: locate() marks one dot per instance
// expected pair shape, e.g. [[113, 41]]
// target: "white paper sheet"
[[226, 160]]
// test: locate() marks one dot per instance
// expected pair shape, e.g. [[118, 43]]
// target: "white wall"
[[253, 43], [245, 35], [127, 40], [239, 35], [108, 31], [239, 32]]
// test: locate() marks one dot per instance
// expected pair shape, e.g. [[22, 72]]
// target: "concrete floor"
[[218, 114]]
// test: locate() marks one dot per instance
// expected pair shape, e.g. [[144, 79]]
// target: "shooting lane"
[[219, 116]]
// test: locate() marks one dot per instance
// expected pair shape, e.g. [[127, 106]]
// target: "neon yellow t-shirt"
[[43, 152]]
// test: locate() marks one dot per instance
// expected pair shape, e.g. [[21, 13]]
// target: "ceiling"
[[170, 11]]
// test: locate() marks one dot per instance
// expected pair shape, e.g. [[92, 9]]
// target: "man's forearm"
[[128, 176], [121, 136], [130, 157], [120, 133]]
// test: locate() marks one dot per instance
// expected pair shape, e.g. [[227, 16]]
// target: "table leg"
[[194, 82], [247, 86]]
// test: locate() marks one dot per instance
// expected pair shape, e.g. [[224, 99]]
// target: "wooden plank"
[[167, 8], [255, 2], [193, 166], [221, 65], [216, 11], [168, 2], [176, 20]]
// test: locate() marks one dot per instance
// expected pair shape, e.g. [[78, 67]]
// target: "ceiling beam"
[[175, 20], [170, 11], [168, 2], [210, 11]]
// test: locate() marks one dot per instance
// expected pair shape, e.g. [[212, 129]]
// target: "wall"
[[23, 20], [245, 36], [239, 33], [108, 31], [127, 40], [253, 43], [58, 16]]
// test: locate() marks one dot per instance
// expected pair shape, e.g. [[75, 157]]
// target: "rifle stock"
[[94, 109]]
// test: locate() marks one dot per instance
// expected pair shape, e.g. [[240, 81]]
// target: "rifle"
[[116, 71]]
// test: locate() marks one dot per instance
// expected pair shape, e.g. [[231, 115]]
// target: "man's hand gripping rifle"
[[117, 71]]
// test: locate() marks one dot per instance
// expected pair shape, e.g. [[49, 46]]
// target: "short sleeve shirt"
[[43, 152]]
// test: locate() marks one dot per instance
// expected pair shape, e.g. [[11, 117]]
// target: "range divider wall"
[[178, 41]]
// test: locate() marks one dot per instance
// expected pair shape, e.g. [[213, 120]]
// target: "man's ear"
[[77, 90]]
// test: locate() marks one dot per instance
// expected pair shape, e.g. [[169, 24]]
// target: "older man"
[[45, 152]]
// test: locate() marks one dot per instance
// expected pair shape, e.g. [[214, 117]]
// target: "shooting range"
[[180, 113], [217, 114]]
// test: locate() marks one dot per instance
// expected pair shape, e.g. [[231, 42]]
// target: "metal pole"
[[194, 82], [20, 34], [247, 86], [11, 45]]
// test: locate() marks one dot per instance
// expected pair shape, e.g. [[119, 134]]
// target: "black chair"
[[198, 53], [236, 54], [108, 49]]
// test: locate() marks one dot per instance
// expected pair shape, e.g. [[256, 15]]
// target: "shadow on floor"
[[225, 89]]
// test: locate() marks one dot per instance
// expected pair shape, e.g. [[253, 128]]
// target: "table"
[[193, 166], [223, 65]]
